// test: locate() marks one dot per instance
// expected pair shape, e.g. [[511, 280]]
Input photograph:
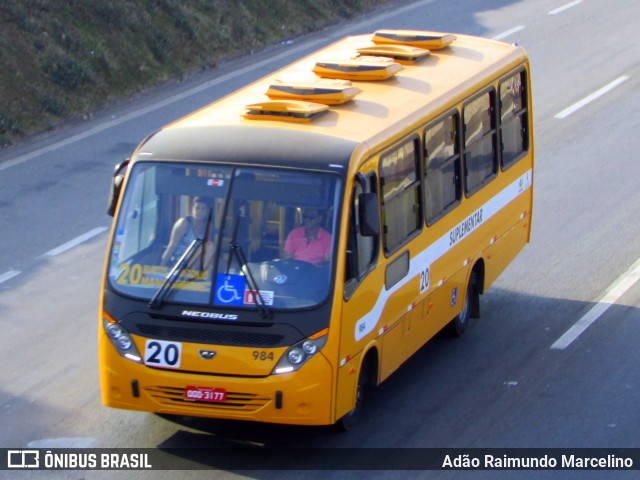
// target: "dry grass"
[[63, 58]]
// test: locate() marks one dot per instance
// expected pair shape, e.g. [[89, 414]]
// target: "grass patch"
[[62, 59]]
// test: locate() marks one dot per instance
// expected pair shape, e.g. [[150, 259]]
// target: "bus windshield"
[[260, 238]]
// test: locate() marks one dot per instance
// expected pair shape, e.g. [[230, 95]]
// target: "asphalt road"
[[553, 362]]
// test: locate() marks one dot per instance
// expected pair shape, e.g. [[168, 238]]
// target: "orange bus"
[[278, 252]]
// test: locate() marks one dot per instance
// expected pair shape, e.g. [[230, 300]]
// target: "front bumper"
[[302, 397]]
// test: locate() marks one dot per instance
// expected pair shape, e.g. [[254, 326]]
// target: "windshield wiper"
[[205, 241], [237, 251], [165, 288]]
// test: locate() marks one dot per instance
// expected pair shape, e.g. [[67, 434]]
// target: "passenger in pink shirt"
[[310, 243]]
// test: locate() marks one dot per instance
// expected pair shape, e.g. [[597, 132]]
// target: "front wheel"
[[349, 421]]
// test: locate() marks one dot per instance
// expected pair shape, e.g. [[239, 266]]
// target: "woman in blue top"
[[186, 230]]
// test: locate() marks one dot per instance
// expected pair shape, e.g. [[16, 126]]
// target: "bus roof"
[[380, 109]]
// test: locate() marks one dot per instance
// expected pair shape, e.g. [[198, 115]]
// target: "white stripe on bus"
[[439, 248]]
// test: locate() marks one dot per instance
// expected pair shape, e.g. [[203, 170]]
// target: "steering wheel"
[[287, 271]]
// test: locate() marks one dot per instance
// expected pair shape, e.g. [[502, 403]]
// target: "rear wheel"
[[459, 324]]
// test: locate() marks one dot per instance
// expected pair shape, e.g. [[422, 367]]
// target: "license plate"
[[205, 394]]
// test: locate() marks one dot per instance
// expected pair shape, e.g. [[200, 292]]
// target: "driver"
[[309, 243]]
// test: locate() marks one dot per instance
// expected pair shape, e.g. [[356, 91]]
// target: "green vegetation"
[[64, 58]]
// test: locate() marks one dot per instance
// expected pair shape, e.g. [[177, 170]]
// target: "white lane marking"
[[64, 442], [565, 7], [594, 96], [503, 35], [58, 250], [143, 111], [75, 242], [9, 275], [618, 288]]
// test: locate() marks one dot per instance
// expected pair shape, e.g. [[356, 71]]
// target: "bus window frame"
[[414, 137], [454, 112], [524, 113], [490, 90], [368, 183]]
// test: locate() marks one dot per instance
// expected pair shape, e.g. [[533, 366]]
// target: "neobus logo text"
[[219, 316], [465, 227]]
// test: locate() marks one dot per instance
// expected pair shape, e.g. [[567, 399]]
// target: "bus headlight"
[[295, 356], [299, 354], [310, 347], [121, 339]]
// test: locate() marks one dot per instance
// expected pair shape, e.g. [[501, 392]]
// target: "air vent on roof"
[[285, 110], [359, 68], [400, 53], [328, 92], [415, 38]]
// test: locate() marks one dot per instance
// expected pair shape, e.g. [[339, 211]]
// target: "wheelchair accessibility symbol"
[[230, 289]]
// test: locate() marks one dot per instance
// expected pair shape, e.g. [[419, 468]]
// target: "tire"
[[351, 419], [459, 324]]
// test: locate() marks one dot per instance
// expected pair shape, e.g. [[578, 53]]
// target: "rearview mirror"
[[368, 214], [116, 186]]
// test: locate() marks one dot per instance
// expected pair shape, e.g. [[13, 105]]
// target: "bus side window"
[[514, 130], [480, 155], [442, 168], [362, 246], [401, 196]]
